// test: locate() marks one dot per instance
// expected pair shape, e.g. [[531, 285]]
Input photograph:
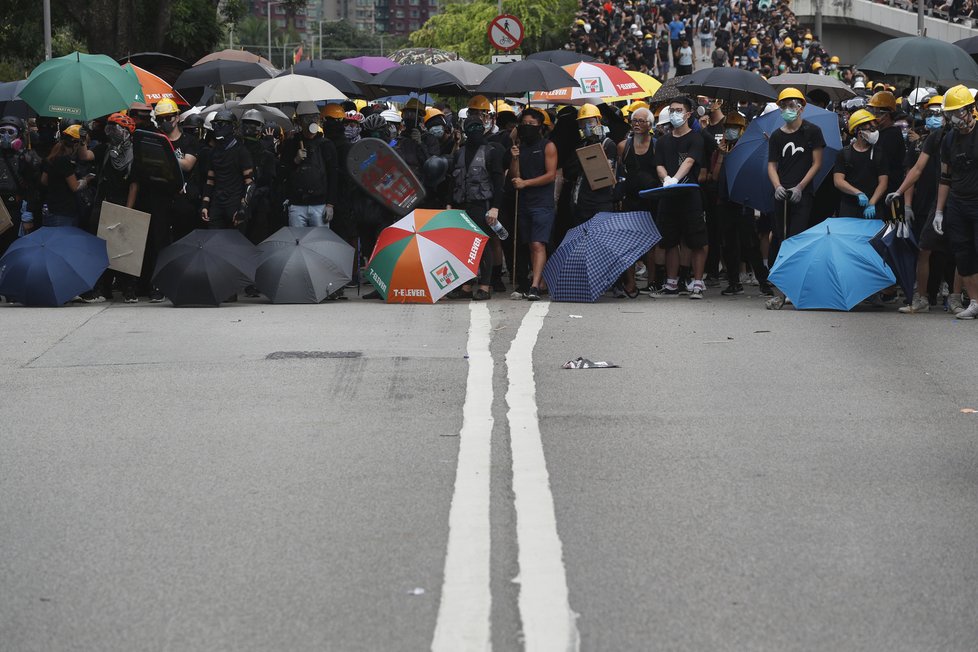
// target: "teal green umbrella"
[[81, 86]]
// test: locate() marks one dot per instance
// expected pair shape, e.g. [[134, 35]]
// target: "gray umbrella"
[[922, 57], [470, 74], [269, 113], [303, 265], [806, 81]]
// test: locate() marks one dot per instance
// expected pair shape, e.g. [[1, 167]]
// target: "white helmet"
[[390, 115], [208, 120], [771, 106], [663, 117], [918, 95]]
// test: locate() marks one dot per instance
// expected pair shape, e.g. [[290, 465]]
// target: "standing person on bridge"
[[958, 191]]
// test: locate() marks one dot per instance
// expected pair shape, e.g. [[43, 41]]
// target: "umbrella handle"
[[785, 225], [893, 210]]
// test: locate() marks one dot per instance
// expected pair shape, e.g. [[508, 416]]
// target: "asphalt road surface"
[[357, 476]]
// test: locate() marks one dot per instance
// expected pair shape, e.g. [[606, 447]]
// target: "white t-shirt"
[[686, 56]]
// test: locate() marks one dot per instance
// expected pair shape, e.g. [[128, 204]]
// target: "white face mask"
[[677, 119], [870, 136]]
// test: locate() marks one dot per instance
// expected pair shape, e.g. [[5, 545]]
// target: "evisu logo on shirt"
[[794, 150]]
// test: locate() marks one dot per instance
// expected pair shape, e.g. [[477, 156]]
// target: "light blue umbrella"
[[831, 265], [595, 253]]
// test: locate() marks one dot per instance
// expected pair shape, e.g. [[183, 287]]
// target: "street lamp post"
[[47, 29], [268, 8]]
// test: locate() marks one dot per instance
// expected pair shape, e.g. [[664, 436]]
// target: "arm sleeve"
[[697, 150]]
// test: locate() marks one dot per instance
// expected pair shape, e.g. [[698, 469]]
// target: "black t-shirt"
[[59, 197], [960, 153], [113, 183], [186, 145], [925, 190], [893, 150], [793, 153], [228, 166], [861, 169], [672, 151]]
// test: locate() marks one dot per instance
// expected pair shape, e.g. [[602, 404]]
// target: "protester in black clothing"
[[636, 172], [586, 201], [891, 145], [794, 158], [259, 224], [477, 188], [310, 171], [62, 184], [679, 157], [19, 170], [230, 175], [859, 173]]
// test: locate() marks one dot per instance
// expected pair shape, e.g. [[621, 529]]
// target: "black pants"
[[740, 242], [477, 211]]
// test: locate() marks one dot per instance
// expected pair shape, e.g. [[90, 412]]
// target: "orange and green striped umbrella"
[[425, 255]]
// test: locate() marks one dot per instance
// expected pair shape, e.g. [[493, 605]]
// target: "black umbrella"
[[303, 265], [525, 77], [969, 45], [219, 71], [345, 77], [922, 57], [418, 77], [561, 57], [898, 248], [726, 83], [206, 267], [668, 91], [165, 66], [11, 104], [10, 91]]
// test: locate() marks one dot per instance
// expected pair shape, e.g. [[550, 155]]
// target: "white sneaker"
[[970, 312], [917, 305], [775, 303], [696, 290], [640, 271], [954, 304]]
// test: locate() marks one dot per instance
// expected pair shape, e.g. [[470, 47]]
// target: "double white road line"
[[466, 600]]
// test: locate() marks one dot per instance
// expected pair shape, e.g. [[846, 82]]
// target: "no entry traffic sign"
[[505, 32]]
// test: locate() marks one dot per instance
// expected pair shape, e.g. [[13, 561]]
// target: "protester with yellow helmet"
[[958, 190], [588, 201], [859, 175], [59, 178], [892, 148], [794, 158]]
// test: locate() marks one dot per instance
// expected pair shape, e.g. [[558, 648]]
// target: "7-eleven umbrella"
[[594, 81], [425, 255], [155, 88]]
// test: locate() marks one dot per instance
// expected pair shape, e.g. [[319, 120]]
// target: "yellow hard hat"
[[735, 118], [578, 22], [431, 112], [413, 104], [797, 50], [809, 36], [791, 94], [588, 111], [957, 98], [479, 103], [546, 119], [502, 107], [883, 100], [166, 106], [360, 104], [333, 110], [817, 65], [788, 41], [73, 132], [937, 100], [860, 117], [835, 60], [635, 106], [754, 41]]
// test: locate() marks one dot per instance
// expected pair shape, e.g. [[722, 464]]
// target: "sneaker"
[[696, 290], [919, 304], [766, 289], [617, 291], [665, 291], [954, 304], [970, 312], [517, 296], [498, 285], [533, 294], [90, 297], [130, 297], [774, 303], [751, 279], [641, 271], [711, 281], [155, 296], [481, 295], [252, 292], [731, 290]]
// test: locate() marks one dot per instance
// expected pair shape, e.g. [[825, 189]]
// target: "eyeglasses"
[[640, 121]]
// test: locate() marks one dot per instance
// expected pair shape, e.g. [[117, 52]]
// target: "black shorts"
[[929, 239], [682, 226]]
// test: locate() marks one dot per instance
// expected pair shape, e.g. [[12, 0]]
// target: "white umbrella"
[[293, 89], [470, 74]]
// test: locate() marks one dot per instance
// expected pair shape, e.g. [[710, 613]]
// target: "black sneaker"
[[765, 289], [155, 296], [481, 295], [732, 290], [533, 294], [665, 291], [498, 285], [252, 292]]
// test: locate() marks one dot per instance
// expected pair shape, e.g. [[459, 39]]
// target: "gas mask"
[[591, 129], [167, 124], [438, 131], [223, 130], [9, 139], [352, 132], [251, 130]]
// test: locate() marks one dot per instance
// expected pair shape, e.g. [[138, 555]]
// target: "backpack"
[[706, 25]]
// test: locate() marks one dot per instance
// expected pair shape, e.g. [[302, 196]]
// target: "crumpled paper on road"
[[584, 363]]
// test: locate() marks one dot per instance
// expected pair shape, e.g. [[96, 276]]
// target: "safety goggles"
[[959, 113], [867, 128], [793, 105], [935, 113], [8, 131]]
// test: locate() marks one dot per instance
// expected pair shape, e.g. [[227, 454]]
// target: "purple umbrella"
[[373, 65]]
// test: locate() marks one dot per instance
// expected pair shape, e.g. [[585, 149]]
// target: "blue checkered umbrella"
[[594, 254]]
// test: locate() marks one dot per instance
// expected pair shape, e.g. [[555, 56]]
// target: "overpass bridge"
[[851, 28]]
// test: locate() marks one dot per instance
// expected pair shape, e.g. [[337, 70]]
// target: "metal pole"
[[268, 7], [920, 17], [47, 29], [320, 39], [818, 21]]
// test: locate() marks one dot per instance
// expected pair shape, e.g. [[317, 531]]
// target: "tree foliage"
[[462, 26]]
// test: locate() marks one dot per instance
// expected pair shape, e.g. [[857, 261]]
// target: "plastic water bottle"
[[500, 230]]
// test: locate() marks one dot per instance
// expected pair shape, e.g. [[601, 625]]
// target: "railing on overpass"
[[891, 18]]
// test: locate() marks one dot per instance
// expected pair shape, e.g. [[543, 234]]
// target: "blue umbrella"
[[594, 254], [52, 265], [898, 248], [831, 265], [746, 164]]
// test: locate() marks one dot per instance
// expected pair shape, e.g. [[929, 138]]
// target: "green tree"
[[462, 26]]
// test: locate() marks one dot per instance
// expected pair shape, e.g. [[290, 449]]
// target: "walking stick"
[[516, 222]]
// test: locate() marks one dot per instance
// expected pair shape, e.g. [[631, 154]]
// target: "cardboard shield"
[[596, 166], [5, 221], [124, 231]]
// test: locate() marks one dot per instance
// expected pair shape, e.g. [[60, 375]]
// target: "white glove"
[[892, 197], [328, 214], [669, 181], [780, 193], [301, 155], [907, 215], [939, 222]]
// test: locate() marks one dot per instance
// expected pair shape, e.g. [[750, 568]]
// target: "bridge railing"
[[894, 17]]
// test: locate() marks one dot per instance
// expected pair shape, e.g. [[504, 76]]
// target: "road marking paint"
[[463, 615], [548, 622]]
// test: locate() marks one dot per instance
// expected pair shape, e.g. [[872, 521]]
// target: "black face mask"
[[251, 131], [167, 125], [223, 130], [475, 134], [528, 133]]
